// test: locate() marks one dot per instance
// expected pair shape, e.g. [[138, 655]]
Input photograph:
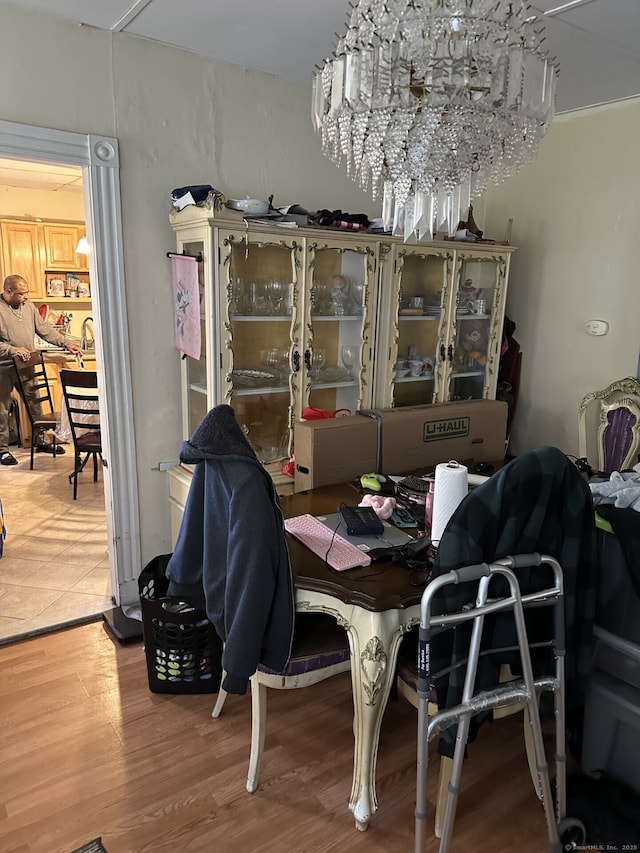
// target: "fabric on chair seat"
[[89, 440], [318, 642]]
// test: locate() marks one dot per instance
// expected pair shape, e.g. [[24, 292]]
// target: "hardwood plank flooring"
[[88, 750]]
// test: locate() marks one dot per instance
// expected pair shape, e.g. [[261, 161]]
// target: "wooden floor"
[[87, 750]]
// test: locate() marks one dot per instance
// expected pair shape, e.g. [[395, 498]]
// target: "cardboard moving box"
[[334, 450], [419, 437]]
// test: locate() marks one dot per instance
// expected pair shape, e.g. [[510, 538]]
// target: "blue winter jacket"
[[231, 555]]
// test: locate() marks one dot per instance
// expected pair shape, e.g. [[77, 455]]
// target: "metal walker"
[[562, 831]]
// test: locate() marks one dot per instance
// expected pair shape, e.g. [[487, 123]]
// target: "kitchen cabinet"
[[22, 253], [36, 250], [60, 243], [298, 317]]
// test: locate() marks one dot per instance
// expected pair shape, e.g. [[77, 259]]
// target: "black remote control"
[[361, 520]]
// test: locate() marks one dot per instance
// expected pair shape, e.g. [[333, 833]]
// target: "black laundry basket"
[[181, 645]]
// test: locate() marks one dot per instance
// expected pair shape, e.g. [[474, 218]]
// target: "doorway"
[[55, 571], [97, 157]]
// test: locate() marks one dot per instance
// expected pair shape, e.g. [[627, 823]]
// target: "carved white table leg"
[[374, 639]]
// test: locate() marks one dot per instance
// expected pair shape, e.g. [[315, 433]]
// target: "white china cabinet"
[[287, 320], [440, 323], [302, 317]]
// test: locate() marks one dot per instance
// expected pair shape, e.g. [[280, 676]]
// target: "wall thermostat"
[[597, 327]]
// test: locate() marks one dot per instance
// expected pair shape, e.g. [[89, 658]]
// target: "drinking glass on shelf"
[[276, 291], [274, 362], [259, 304], [348, 356], [357, 294], [319, 361], [321, 298], [237, 297], [340, 295]]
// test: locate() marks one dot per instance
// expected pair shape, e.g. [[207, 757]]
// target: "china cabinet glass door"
[[260, 293], [475, 329], [335, 340], [422, 282]]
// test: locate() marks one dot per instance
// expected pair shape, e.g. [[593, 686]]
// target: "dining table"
[[377, 605]]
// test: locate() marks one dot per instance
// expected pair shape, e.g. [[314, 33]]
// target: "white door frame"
[[98, 157]]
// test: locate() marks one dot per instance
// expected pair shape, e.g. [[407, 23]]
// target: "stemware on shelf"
[[348, 356], [319, 361]]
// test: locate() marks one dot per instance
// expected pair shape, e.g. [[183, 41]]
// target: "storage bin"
[[611, 740], [182, 648], [616, 656], [618, 609]]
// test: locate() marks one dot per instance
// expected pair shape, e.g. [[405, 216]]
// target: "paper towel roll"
[[451, 487]]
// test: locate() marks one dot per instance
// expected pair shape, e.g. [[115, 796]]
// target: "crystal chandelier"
[[431, 101]]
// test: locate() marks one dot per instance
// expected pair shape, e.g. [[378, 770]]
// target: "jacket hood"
[[218, 434]]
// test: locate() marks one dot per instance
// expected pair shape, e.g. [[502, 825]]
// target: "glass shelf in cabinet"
[[198, 389], [465, 315], [347, 383], [399, 379], [458, 374], [335, 317], [411, 318], [263, 389], [260, 318]]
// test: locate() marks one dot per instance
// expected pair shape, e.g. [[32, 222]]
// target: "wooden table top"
[[380, 586]]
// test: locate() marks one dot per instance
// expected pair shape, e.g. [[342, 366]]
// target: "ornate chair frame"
[[609, 426]]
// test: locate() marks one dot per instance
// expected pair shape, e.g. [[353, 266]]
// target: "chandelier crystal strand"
[[432, 101]]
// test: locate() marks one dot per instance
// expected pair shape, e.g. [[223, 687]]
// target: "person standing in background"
[[19, 323]]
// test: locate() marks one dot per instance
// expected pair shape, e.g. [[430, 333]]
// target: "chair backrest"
[[33, 385], [80, 390], [609, 426]]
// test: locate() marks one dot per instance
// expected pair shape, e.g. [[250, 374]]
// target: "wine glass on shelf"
[[348, 356], [276, 291], [340, 294], [319, 361]]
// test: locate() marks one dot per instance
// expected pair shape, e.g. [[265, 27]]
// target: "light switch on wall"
[[597, 327]]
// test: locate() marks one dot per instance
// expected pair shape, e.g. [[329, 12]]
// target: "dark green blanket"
[[539, 502]]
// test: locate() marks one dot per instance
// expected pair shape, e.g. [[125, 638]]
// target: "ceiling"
[[596, 43], [40, 176]]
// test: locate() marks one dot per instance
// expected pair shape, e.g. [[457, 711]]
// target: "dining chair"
[[609, 426], [33, 385], [537, 503], [80, 391], [320, 650]]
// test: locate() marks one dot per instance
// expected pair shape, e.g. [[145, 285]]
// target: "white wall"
[[576, 212], [180, 119]]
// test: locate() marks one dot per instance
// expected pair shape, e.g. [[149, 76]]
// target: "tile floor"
[[55, 566]]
